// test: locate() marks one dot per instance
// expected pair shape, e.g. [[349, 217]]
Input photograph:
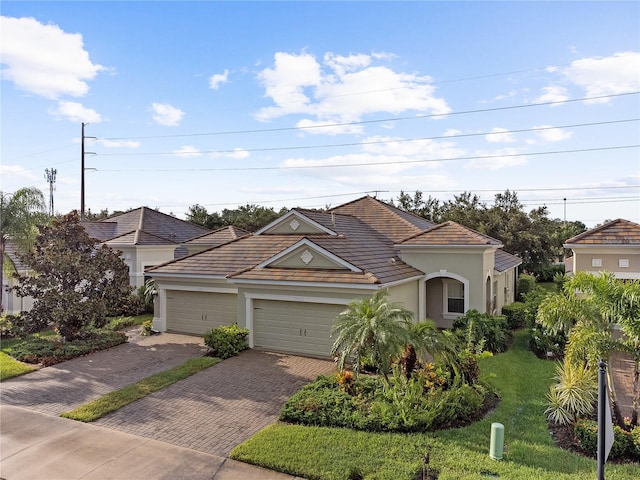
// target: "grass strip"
[[458, 454], [119, 398], [10, 367]]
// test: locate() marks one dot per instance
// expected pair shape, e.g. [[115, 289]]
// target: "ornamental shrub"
[[482, 332], [586, 432], [526, 283], [516, 314], [635, 440], [226, 341]]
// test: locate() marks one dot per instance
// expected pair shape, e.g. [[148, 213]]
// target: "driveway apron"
[[211, 411], [68, 385]]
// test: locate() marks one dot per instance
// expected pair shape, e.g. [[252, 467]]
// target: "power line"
[[369, 165], [378, 142], [365, 122]]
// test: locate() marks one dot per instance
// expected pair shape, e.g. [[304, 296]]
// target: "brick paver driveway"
[[211, 411], [222, 406]]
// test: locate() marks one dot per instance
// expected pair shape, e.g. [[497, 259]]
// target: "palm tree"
[[371, 326], [587, 309], [20, 213], [425, 343]]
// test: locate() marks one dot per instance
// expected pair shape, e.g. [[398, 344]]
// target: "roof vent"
[[392, 261]]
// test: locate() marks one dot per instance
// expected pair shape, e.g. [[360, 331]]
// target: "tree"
[[372, 327], [74, 281], [248, 217], [587, 309], [20, 215]]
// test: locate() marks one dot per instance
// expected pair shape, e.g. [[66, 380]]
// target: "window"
[[623, 262], [596, 262], [455, 297]]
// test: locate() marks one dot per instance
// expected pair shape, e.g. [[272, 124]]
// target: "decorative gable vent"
[[294, 224], [306, 257]]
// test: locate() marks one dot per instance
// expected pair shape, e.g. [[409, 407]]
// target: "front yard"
[[457, 454], [45, 348]]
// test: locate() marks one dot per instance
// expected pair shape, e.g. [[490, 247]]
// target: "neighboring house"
[[12, 303], [146, 238], [612, 247], [215, 238], [288, 281]]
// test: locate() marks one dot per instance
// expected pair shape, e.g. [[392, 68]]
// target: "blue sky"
[[317, 103]]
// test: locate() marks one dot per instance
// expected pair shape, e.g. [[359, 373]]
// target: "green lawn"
[[114, 400], [458, 454]]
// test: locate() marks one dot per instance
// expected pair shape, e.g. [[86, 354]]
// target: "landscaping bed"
[[521, 380]]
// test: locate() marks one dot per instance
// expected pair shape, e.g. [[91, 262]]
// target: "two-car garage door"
[[295, 327], [198, 312]]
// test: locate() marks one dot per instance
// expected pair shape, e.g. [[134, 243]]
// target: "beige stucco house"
[[288, 281], [12, 303], [611, 247], [145, 237]]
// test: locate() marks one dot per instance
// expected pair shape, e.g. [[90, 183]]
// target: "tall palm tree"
[[371, 326], [20, 213]]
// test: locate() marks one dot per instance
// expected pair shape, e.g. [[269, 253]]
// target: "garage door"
[[294, 327], [198, 312]]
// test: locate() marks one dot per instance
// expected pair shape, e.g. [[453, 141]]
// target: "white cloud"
[[117, 143], [218, 79], [497, 160], [553, 94], [17, 171], [500, 135], [343, 89], [187, 151], [412, 149], [452, 132], [43, 59], [550, 134], [76, 112], [237, 154], [611, 75], [166, 114], [597, 76]]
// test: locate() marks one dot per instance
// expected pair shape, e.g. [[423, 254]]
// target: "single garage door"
[[294, 327], [198, 312]]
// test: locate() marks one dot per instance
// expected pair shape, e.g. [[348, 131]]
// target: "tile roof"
[[615, 232], [152, 222], [386, 219], [369, 247], [140, 238], [505, 261], [379, 261], [219, 236], [231, 257], [451, 233]]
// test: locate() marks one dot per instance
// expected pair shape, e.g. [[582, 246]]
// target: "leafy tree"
[[431, 209], [371, 326], [248, 217], [20, 215], [74, 281]]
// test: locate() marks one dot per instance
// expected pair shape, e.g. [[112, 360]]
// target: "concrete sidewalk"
[[36, 446]]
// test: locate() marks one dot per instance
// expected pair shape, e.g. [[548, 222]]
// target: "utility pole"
[[82, 169], [50, 175]]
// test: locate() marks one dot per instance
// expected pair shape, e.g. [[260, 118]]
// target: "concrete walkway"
[[208, 413], [36, 446]]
